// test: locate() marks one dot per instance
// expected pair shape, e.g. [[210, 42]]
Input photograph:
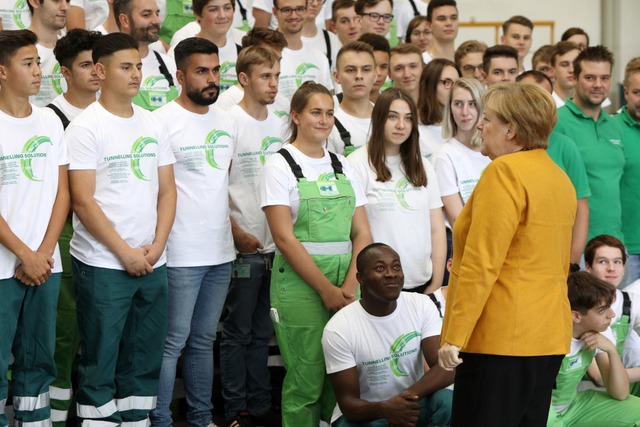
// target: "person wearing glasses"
[[419, 33], [442, 16], [468, 58], [436, 81], [376, 15], [299, 63]]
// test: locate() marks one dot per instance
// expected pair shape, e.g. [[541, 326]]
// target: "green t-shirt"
[[600, 144], [630, 183], [564, 152]]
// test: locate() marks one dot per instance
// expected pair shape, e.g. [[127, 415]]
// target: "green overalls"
[[589, 408], [179, 14], [323, 227], [620, 326]]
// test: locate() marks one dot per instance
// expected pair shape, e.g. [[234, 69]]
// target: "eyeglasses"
[[418, 33], [376, 16], [316, 1], [472, 68], [289, 10], [447, 83]]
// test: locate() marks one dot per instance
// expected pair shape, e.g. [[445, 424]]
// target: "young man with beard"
[[200, 245], [375, 350], [244, 349], [599, 139], [141, 20], [124, 199], [48, 17]]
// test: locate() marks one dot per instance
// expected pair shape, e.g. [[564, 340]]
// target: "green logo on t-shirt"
[[210, 141], [19, 7], [137, 154], [396, 351], [301, 70], [264, 146], [29, 153], [402, 187]]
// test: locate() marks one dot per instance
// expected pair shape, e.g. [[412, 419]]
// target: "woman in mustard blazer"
[[508, 322]]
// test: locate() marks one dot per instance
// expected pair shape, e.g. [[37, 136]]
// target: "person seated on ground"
[[605, 257], [374, 351], [591, 312]]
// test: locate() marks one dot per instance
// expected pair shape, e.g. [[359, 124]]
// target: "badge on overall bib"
[[574, 363], [327, 188]]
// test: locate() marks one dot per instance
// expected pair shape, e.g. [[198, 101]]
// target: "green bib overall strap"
[[433, 298], [620, 327], [243, 12], [152, 99], [179, 14], [571, 372], [345, 135]]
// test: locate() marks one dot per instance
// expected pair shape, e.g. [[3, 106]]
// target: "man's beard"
[[198, 97]]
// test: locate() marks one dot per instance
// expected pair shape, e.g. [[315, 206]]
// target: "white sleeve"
[[82, 148], [334, 142], [446, 173], [361, 198], [635, 311], [432, 323], [266, 5], [78, 3], [274, 182], [165, 151], [433, 187], [338, 355]]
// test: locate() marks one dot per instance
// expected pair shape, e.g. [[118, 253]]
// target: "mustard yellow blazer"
[[511, 246]]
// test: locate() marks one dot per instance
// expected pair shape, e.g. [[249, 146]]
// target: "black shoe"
[[268, 419], [240, 420]]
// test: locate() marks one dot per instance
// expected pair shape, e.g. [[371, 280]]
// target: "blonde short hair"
[[528, 108]]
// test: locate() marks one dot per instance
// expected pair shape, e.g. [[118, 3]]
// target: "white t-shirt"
[[32, 150], [318, 42], [386, 351], [193, 28], [234, 95], [67, 109], [631, 352], [126, 154], [15, 15], [403, 13], [153, 81], [557, 99], [298, 66], [398, 213], [458, 168], [257, 142], [53, 82], [204, 146], [426, 58], [358, 128], [279, 186], [430, 140], [95, 12]]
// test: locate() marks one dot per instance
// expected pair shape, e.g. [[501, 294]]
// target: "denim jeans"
[[632, 270], [244, 348], [196, 299]]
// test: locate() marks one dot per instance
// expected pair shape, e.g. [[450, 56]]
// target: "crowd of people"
[[170, 163]]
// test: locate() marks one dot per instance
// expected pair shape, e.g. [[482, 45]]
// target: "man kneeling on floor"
[[374, 350]]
